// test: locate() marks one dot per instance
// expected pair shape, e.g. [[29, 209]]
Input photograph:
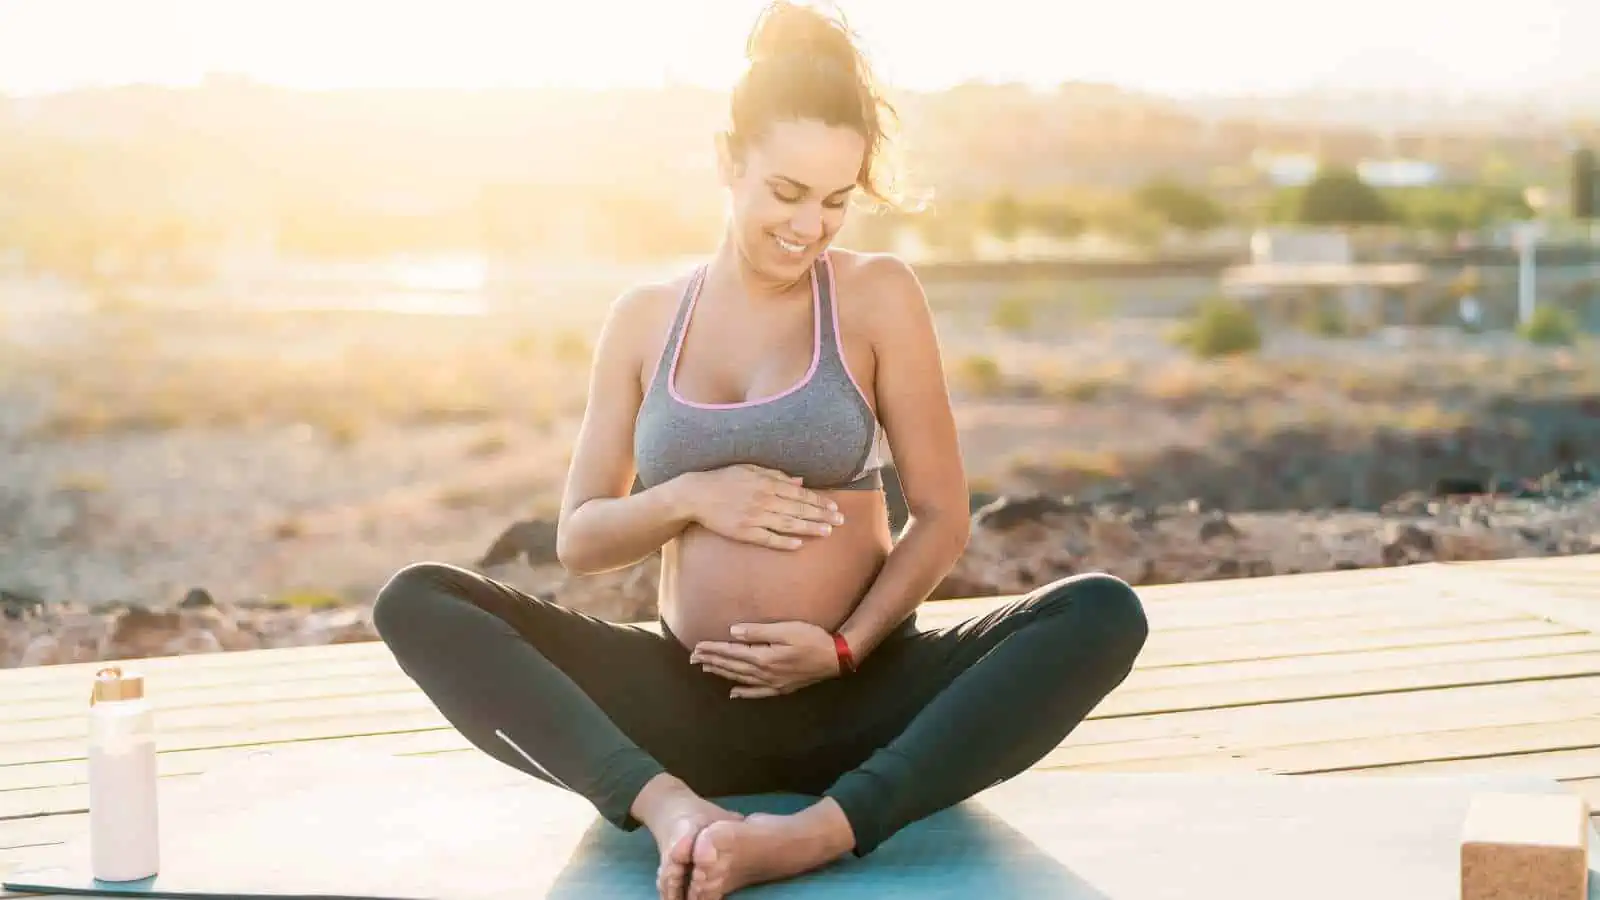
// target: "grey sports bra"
[[820, 428]]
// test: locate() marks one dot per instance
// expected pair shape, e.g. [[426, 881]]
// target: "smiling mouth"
[[789, 246]]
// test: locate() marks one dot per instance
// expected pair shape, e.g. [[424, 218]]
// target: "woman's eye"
[[785, 198]]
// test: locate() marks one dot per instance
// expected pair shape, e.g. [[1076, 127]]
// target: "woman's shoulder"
[[876, 287], [859, 264], [652, 297], [639, 316]]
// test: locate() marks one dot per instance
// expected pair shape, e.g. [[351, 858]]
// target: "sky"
[[1171, 46]]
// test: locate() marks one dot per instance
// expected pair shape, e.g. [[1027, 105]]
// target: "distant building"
[[1398, 172], [1298, 169], [1292, 271]]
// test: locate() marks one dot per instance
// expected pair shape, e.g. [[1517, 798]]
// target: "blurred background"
[[292, 294]]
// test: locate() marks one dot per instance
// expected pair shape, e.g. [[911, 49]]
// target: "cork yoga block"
[[1525, 847]]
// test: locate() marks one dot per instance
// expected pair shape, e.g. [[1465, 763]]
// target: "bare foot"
[[676, 816], [732, 855]]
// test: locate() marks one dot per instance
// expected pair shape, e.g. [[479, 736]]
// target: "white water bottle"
[[124, 829]]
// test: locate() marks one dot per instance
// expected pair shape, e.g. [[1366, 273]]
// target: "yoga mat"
[[313, 823]]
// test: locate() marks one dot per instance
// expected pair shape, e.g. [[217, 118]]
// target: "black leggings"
[[931, 718]]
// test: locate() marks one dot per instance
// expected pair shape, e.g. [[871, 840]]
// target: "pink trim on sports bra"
[[816, 350], [838, 333]]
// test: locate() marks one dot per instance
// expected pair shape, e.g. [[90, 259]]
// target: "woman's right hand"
[[759, 506]]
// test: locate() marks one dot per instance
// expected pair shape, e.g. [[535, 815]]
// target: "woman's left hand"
[[770, 659]]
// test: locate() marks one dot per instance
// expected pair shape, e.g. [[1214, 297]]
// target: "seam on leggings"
[[531, 761]]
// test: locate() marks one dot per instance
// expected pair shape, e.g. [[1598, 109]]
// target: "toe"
[[682, 851], [671, 883]]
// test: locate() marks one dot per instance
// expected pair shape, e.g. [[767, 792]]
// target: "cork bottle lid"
[[112, 683]]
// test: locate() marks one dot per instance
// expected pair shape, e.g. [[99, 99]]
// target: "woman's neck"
[[732, 267]]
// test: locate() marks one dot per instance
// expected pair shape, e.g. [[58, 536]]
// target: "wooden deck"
[[1469, 668]]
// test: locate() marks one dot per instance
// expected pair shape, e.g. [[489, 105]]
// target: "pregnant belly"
[[710, 583]]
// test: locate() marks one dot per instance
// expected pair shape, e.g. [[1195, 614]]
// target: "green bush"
[[1549, 325], [980, 374], [1013, 315], [1326, 319], [1221, 327]]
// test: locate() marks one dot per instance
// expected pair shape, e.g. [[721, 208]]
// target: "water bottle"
[[124, 832]]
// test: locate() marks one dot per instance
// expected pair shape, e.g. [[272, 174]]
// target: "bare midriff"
[[710, 583]]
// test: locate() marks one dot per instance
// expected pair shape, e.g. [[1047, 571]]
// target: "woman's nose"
[[807, 224]]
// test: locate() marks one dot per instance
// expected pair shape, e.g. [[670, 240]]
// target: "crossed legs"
[[606, 710]]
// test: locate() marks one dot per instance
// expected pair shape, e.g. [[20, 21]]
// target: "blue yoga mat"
[[308, 824]]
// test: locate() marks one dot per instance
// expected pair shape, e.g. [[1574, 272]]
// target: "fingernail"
[[826, 528]]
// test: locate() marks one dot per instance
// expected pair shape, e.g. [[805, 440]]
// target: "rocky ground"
[[1018, 541]]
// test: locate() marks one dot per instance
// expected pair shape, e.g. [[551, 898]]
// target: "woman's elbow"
[[571, 551], [951, 522]]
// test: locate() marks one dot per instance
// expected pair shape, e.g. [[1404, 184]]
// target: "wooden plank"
[[1548, 602], [1589, 788], [1133, 699], [327, 681], [222, 717], [178, 769], [1581, 762], [192, 665], [1364, 660], [44, 831], [188, 762], [1368, 716], [210, 686], [240, 734], [1167, 651], [1232, 754], [1577, 562]]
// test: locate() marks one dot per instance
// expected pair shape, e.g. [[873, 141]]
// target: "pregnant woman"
[[753, 397]]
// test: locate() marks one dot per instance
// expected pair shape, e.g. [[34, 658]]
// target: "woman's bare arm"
[[914, 406], [601, 526]]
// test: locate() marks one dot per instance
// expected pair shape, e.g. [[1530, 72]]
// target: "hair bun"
[[786, 28]]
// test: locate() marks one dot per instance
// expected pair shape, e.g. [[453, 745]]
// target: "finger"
[[806, 497], [740, 653], [762, 537], [742, 675], [757, 671], [780, 523], [800, 509], [763, 632], [753, 693]]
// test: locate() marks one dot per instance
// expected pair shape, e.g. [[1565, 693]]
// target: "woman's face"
[[789, 193]]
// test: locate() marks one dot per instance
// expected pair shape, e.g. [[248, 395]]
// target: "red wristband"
[[847, 660]]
